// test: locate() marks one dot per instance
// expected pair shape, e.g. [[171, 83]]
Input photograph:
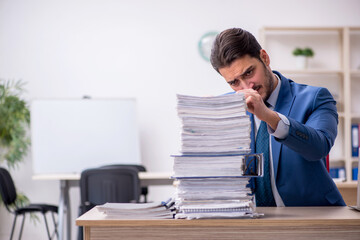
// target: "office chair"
[[117, 184], [8, 195], [140, 168]]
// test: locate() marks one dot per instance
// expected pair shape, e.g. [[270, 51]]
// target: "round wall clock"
[[205, 45]]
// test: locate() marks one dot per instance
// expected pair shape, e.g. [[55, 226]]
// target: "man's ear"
[[264, 57]]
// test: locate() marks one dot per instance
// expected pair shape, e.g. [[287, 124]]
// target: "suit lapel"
[[283, 106]]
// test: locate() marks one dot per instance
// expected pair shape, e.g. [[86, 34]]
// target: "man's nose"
[[246, 85]]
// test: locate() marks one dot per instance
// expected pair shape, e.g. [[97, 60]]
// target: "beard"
[[269, 83]]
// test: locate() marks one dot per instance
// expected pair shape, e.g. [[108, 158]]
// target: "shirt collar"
[[275, 94]]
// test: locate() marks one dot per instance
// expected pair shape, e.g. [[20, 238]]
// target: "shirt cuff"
[[282, 130]]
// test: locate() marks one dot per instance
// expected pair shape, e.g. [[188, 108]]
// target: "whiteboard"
[[68, 136]]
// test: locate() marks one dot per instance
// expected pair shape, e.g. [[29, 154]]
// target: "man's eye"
[[234, 82], [248, 73]]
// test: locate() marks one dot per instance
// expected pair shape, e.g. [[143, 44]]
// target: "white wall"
[[132, 48]]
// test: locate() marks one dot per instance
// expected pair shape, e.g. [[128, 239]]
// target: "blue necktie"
[[263, 192]]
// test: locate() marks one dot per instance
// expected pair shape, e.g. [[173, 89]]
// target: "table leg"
[[68, 212], [61, 209], [86, 233], [64, 208]]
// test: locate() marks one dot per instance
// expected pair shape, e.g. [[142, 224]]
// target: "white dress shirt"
[[281, 132]]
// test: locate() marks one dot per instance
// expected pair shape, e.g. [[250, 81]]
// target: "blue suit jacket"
[[300, 159]]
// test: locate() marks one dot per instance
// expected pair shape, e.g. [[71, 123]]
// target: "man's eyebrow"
[[241, 75]]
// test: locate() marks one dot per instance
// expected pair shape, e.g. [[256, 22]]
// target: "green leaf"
[[14, 123], [297, 52], [307, 52]]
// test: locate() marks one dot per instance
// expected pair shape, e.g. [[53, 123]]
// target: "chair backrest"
[[7, 187], [116, 184], [140, 168]]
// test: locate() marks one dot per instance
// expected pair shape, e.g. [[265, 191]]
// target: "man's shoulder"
[[304, 87]]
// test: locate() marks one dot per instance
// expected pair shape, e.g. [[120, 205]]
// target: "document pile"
[[155, 210], [214, 124], [212, 169]]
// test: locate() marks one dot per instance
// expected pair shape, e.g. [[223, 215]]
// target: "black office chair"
[[8, 195], [118, 184], [140, 168]]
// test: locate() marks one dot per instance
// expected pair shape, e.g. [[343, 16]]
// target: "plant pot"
[[301, 62]]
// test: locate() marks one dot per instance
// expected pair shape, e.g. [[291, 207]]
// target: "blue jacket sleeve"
[[313, 125]]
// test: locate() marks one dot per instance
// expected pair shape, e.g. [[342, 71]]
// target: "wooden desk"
[[278, 223], [348, 191], [71, 180]]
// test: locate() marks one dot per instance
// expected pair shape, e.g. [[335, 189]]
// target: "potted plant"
[[14, 123], [302, 55]]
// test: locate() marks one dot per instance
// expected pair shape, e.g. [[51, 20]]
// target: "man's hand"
[[257, 107]]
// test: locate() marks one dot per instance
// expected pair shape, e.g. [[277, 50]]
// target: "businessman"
[[294, 125]]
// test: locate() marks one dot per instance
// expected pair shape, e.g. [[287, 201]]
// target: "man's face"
[[248, 72]]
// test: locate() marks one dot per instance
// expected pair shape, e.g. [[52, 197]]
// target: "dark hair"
[[233, 44]]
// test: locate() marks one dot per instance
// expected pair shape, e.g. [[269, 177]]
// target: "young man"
[[301, 120]]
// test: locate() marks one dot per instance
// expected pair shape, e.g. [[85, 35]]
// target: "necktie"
[[263, 192]]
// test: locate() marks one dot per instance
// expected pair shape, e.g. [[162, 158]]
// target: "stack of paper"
[[155, 210], [211, 167], [214, 197], [214, 124], [212, 188], [215, 209]]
